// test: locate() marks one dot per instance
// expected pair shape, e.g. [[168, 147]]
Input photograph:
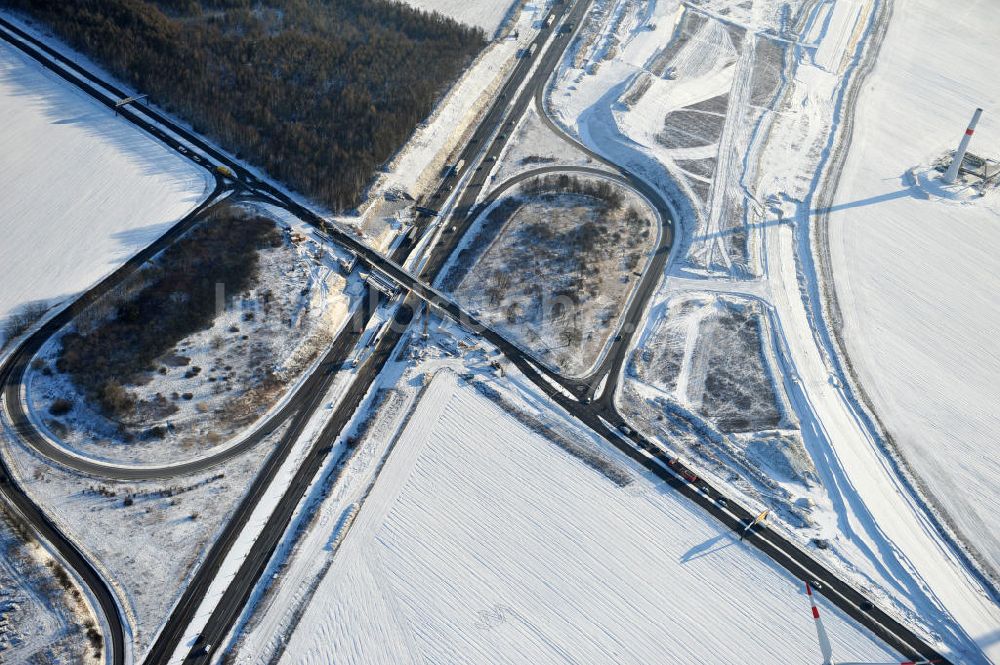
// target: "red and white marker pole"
[[952, 174]]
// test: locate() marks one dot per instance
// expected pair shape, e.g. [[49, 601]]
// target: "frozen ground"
[[702, 379], [41, 621], [146, 537], [708, 352], [485, 14], [214, 383], [81, 191], [482, 541], [916, 279]]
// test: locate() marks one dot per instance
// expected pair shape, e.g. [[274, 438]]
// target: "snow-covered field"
[[916, 279], [81, 190], [744, 193], [482, 541], [485, 14]]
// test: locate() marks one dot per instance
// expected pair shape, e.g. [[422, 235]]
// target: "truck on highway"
[[532, 49], [548, 21], [428, 212], [455, 170]]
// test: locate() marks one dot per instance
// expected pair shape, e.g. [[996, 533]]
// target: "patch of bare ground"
[[701, 381], [709, 354], [554, 265]]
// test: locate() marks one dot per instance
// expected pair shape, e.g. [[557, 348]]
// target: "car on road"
[[866, 606], [625, 429]]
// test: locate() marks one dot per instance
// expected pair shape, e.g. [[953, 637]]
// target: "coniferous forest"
[[317, 92]]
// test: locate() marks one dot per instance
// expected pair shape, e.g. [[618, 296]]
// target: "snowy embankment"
[[81, 191], [916, 279], [483, 541], [881, 527], [146, 538], [416, 169]]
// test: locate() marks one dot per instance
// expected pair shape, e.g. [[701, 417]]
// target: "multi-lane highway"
[[242, 584], [526, 82], [301, 405], [233, 601]]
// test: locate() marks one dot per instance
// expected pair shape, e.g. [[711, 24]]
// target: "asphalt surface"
[[493, 131], [12, 377], [599, 415], [181, 140], [604, 419]]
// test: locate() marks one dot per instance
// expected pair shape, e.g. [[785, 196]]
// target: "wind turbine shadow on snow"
[[710, 546]]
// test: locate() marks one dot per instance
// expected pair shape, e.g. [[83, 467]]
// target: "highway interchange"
[[526, 84]]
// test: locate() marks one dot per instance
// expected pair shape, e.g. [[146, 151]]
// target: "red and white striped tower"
[[956, 163], [827, 649]]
